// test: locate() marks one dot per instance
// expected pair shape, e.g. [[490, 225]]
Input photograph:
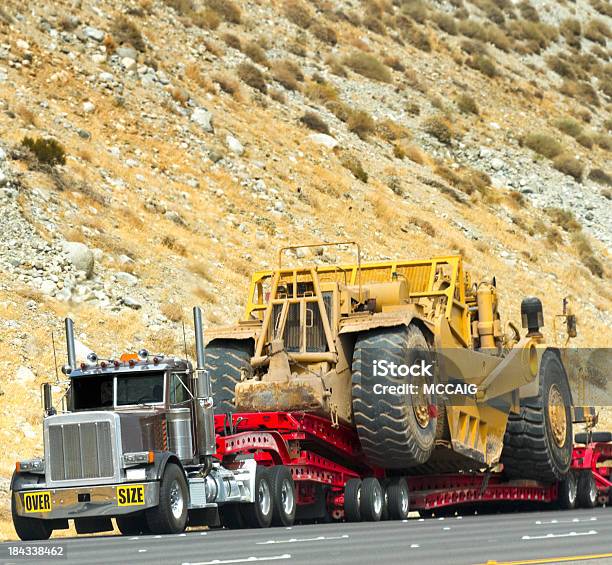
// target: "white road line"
[[142, 551], [241, 560], [296, 540], [572, 521], [568, 535]]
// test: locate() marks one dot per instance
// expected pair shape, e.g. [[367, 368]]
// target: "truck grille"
[[80, 451]]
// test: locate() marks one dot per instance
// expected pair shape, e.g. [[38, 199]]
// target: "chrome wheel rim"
[[263, 497], [404, 502], [287, 499], [377, 501], [177, 504]]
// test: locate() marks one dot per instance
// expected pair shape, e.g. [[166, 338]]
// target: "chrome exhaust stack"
[[70, 347], [206, 437]]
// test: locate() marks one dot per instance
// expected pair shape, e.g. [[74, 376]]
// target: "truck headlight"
[[138, 458], [30, 466]]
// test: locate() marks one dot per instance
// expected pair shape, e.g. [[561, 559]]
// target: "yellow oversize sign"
[[37, 501], [130, 495]]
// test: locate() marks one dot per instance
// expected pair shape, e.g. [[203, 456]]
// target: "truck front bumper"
[[86, 501]]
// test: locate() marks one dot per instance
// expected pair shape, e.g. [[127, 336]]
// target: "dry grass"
[[254, 52], [299, 13], [440, 128], [227, 9], [125, 31], [361, 124], [27, 115], [314, 122], [253, 77], [206, 19], [321, 92], [288, 74], [172, 311], [569, 165], [600, 177], [467, 105], [423, 225], [227, 83], [324, 33], [368, 66], [543, 144], [353, 164]]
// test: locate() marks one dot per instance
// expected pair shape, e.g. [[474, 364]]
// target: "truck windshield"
[[140, 389], [94, 392]]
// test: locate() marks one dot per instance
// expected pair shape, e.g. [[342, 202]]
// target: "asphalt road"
[[528, 537]]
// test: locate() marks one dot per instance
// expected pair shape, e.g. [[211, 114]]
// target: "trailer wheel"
[[398, 499], [538, 441], [352, 500], [30, 529], [226, 359], [385, 509], [371, 500], [258, 514], [587, 490], [395, 431], [170, 515], [133, 524], [568, 490], [283, 495]]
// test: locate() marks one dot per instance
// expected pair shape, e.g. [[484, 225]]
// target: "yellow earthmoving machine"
[[324, 339]]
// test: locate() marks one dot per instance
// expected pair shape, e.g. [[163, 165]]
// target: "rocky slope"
[[195, 138]]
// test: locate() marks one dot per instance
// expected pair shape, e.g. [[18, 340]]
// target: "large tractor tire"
[[395, 431], [538, 441], [226, 360], [30, 529]]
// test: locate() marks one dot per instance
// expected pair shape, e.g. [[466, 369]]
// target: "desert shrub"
[[374, 23], [361, 123], [299, 13], [473, 30], [446, 23], [47, 151], [254, 52], [314, 122], [483, 64], [415, 154], [600, 177], [288, 74], [586, 254], [251, 75], [392, 131], [126, 31], [543, 144], [227, 9], [585, 140], [232, 41], [569, 165], [440, 128], [571, 30], [565, 219], [561, 67], [395, 63], [467, 105], [227, 83], [581, 91], [536, 35], [321, 92], [528, 11], [368, 66], [423, 225], [353, 164], [206, 19], [336, 66], [341, 110], [569, 126], [603, 7], [413, 108], [597, 31], [498, 37], [324, 33], [416, 10], [181, 7], [418, 38], [603, 140]]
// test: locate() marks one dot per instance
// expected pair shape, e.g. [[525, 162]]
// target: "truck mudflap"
[[89, 501]]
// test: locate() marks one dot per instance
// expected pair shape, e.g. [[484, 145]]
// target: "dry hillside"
[[153, 153]]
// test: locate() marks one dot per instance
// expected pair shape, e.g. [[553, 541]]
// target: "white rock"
[[48, 288], [323, 139], [128, 64], [94, 33], [497, 164], [234, 145], [132, 303], [98, 58], [106, 77], [126, 53], [89, 107], [127, 278], [23, 45], [79, 256], [203, 118], [24, 376], [125, 260]]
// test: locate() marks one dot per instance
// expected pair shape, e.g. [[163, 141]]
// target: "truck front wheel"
[[30, 529], [258, 514], [170, 515], [133, 524]]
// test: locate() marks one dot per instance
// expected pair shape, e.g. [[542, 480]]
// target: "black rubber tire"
[[258, 514], [596, 437], [384, 483], [568, 492], [352, 496], [226, 360], [587, 490], [283, 487], [230, 516], [530, 451], [388, 430], [160, 518], [133, 524], [398, 499], [30, 529], [371, 500]]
